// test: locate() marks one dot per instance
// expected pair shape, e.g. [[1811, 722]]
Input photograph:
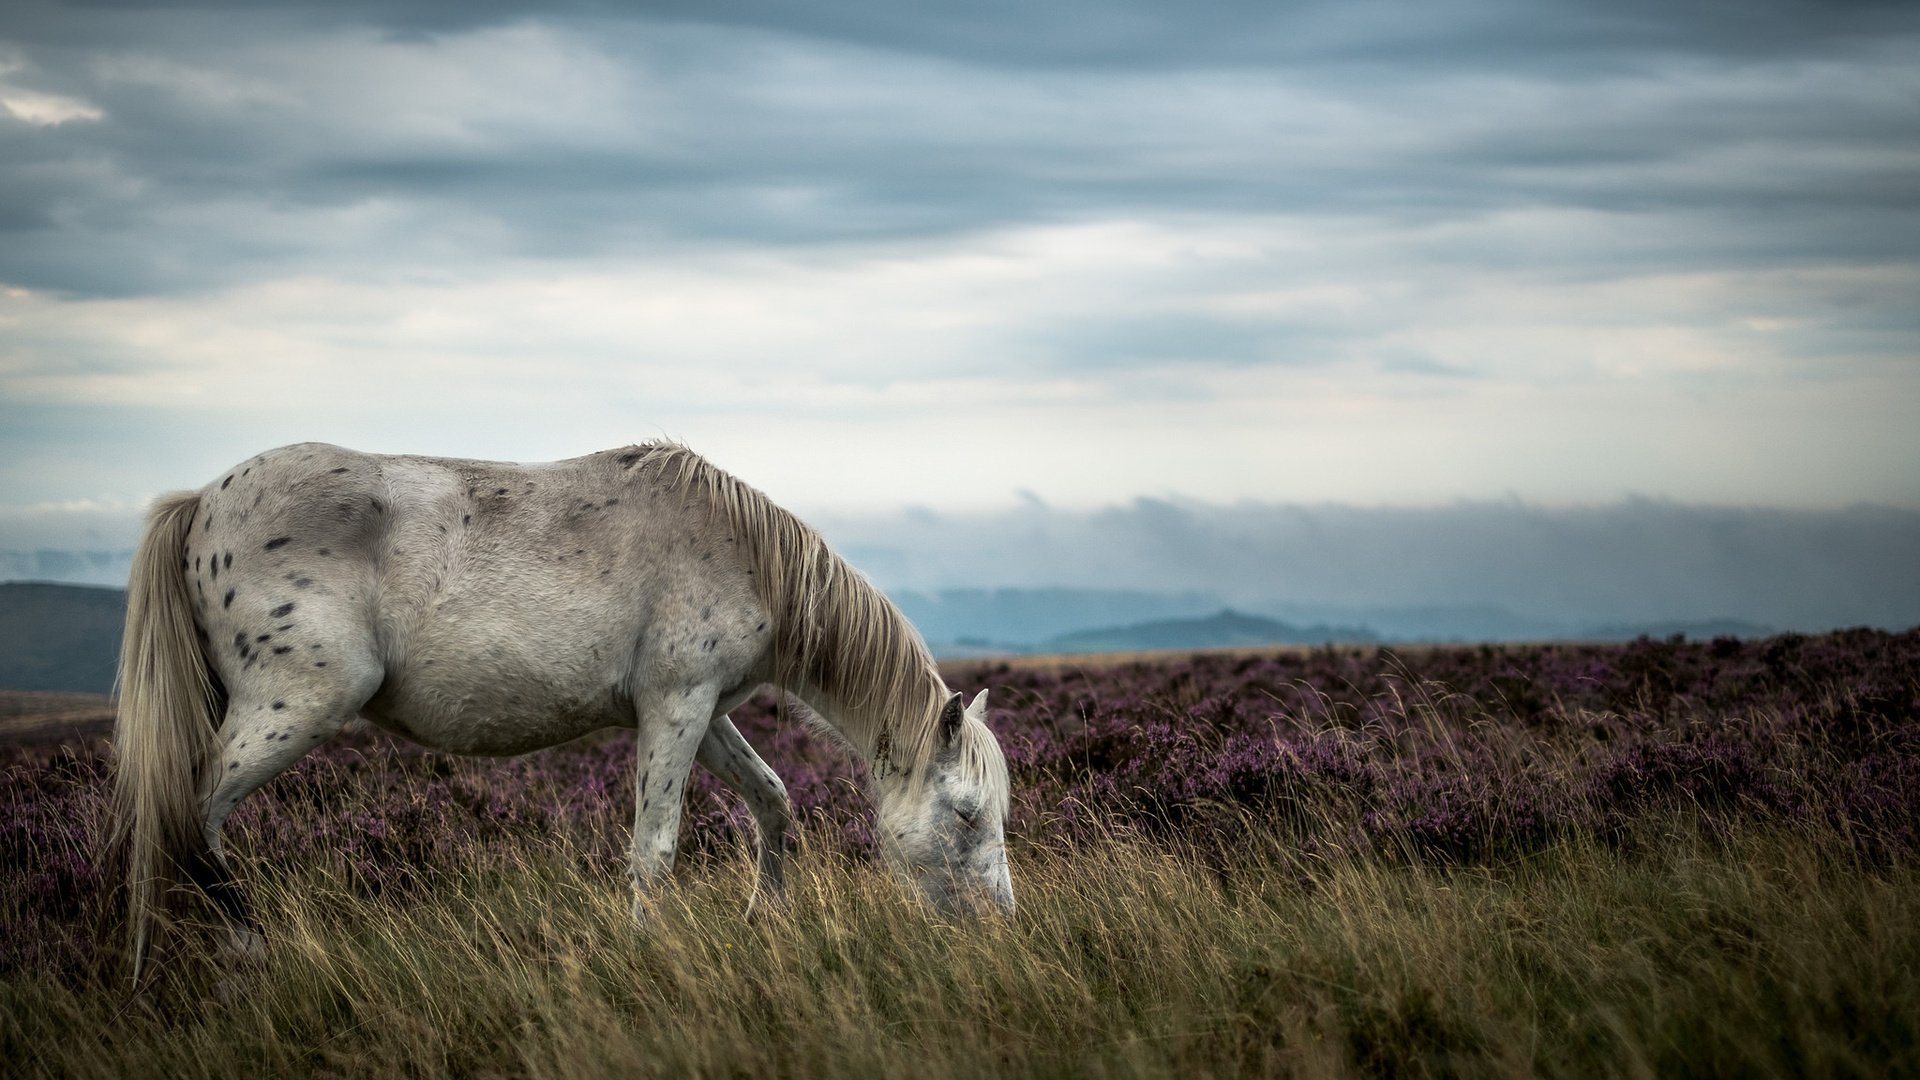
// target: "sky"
[[959, 260]]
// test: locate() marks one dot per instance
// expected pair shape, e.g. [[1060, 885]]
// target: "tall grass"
[[1651, 859], [1763, 953]]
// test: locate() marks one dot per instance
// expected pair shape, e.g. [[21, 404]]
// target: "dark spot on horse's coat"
[[239, 640], [761, 627], [183, 564], [643, 785], [711, 642], [286, 736], [196, 564], [338, 471], [378, 506], [224, 484], [706, 613], [227, 601], [246, 472], [628, 458], [301, 583], [610, 502], [282, 611], [233, 766], [278, 705], [277, 543], [215, 564], [319, 663], [466, 519], [326, 551], [281, 649], [228, 561], [499, 491], [264, 637], [643, 804]]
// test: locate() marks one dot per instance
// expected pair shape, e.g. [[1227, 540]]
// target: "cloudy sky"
[[972, 257]]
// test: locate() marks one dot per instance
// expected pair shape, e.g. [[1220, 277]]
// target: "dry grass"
[[1762, 955]]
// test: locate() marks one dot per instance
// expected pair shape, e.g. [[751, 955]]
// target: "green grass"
[[1762, 953]]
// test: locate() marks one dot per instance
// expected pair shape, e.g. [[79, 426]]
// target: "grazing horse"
[[482, 607]]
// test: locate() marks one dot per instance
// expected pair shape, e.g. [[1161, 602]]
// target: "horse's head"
[[944, 829]]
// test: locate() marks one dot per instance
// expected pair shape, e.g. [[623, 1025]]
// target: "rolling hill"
[[1223, 629], [59, 637]]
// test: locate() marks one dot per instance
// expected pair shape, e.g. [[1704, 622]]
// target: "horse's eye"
[[967, 817]]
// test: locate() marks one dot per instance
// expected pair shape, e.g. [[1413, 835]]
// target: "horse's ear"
[[978, 710], [952, 714]]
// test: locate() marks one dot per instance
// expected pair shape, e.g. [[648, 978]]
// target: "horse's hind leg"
[[271, 720], [731, 759]]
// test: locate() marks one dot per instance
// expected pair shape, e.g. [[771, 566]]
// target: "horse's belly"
[[496, 710]]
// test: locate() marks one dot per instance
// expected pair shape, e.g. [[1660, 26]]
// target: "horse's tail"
[[166, 731]]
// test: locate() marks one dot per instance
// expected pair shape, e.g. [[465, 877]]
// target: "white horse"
[[489, 608]]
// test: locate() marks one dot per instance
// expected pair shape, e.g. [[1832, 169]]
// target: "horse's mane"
[[833, 630]]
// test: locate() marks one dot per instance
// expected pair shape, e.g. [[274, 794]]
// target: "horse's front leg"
[[671, 725]]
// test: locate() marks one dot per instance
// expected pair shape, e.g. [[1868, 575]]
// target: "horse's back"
[[508, 606]]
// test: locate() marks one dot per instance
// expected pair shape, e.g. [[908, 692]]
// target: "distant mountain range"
[[59, 637], [67, 637], [979, 622], [1223, 629]]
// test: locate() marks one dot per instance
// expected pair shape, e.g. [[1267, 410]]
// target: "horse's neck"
[[880, 736]]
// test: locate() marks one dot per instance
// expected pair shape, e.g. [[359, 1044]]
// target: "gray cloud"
[[248, 140], [1123, 339], [1106, 31], [1365, 251]]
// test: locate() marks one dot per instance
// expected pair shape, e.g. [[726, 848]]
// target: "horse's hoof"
[[766, 904], [643, 918], [244, 948]]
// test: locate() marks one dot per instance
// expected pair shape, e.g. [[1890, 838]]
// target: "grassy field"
[[1652, 859]]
